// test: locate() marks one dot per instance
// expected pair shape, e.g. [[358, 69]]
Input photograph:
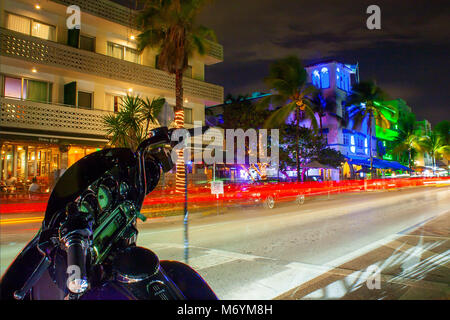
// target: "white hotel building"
[[56, 85]]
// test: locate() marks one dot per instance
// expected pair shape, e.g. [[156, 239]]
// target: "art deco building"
[[335, 81], [57, 84]]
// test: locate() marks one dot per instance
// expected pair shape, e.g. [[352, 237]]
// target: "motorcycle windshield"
[[82, 174]]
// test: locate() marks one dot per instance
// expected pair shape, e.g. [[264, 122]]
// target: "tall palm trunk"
[[297, 142], [179, 122], [370, 145], [321, 127], [433, 155], [409, 157]]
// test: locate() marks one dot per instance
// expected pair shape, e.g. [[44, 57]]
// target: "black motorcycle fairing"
[[191, 284], [20, 269], [133, 175], [152, 174], [136, 276], [81, 175]]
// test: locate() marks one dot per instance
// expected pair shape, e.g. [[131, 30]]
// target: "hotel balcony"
[[34, 50], [125, 16], [28, 116]]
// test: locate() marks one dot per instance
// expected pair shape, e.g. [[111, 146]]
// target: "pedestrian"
[[34, 186], [11, 181]]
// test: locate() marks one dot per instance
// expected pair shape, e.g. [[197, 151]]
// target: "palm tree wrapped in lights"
[[170, 25]]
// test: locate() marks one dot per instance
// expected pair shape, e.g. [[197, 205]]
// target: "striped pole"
[[180, 170]]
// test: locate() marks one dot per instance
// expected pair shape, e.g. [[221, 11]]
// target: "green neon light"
[[386, 134]]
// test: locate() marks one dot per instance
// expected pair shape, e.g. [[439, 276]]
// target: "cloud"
[[267, 29]]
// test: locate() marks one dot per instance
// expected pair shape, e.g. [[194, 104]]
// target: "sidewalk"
[[415, 266]]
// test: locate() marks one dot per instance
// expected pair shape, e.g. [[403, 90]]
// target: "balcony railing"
[[35, 50], [125, 16], [104, 9], [25, 114]]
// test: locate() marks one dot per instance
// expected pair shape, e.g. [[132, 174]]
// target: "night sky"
[[408, 57]]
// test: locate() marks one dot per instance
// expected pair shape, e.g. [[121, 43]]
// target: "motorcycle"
[[86, 247]]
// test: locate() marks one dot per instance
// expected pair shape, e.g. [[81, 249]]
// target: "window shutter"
[[73, 37], [70, 93]]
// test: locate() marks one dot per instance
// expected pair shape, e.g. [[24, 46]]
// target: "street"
[[261, 254]]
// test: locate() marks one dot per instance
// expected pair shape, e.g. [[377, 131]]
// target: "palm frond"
[[278, 117]]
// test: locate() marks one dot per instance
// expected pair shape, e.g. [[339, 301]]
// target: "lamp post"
[[186, 217]]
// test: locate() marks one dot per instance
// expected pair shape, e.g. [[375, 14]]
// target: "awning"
[[359, 161], [378, 164], [317, 165], [385, 164]]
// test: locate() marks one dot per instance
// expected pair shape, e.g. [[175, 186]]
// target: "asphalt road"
[[260, 254]]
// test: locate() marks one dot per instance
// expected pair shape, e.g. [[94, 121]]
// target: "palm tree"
[[365, 98], [170, 25], [288, 81], [407, 139], [443, 129], [151, 110], [126, 128], [435, 145], [323, 106]]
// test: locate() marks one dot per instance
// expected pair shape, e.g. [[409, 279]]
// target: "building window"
[[85, 100], [352, 146], [316, 78], [43, 31], [342, 79], [12, 88], [30, 27], [87, 43], [324, 78], [346, 139], [122, 52], [188, 115], [37, 90], [28, 89], [112, 102]]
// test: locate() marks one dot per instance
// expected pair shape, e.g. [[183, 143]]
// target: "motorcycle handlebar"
[[77, 281]]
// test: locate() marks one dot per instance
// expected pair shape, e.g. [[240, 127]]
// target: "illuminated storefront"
[[27, 160]]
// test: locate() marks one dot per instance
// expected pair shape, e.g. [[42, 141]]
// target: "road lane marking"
[[20, 220], [300, 273], [209, 260]]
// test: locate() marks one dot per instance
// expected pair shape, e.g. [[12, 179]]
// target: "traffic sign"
[[217, 187]]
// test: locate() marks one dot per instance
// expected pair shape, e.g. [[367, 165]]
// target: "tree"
[[330, 157], [407, 140], [443, 130], [291, 95], [324, 106], [241, 112], [170, 25], [311, 147], [435, 145], [365, 98], [150, 110], [126, 128]]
